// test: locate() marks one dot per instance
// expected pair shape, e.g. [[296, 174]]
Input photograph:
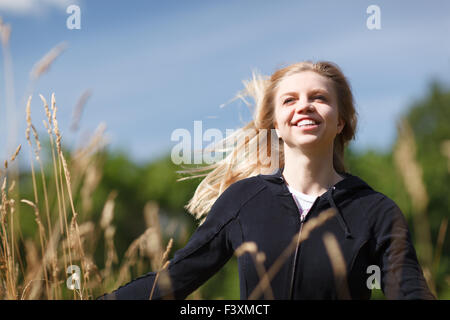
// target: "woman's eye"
[[287, 100], [320, 97]]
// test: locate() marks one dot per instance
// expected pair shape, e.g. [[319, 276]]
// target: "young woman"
[[258, 209]]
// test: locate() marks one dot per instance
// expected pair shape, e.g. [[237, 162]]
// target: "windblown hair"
[[258, 150]]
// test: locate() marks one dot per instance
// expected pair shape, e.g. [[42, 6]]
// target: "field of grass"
[[53, 247]]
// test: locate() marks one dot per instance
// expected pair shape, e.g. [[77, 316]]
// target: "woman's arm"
[[401, 274], [205, 253]]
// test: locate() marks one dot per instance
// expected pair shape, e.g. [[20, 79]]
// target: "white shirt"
[[304, 202]]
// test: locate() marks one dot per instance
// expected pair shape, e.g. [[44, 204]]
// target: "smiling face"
[[307, 95]]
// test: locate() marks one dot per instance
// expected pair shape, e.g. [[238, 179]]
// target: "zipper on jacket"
[[302, 220], [295, 259]]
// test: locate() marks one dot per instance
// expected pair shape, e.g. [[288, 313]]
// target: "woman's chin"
[[304, 142]]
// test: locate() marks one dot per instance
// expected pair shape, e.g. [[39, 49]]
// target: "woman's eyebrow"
[[319, 90], [312, 91], [293, 93]]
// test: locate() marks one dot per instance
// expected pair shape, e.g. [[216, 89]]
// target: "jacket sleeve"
[[206, 252], [401, 275]]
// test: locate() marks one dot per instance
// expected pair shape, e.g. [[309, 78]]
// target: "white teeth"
[[305, 122]]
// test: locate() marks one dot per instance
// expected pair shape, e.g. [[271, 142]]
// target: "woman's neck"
[[312, 173]]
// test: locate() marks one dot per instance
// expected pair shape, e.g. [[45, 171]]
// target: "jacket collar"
[[350, 182], [336, 193]]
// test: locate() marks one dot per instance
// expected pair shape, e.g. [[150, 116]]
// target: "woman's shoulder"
[[375, 200], [375, 203], [244, 188], [365, 191], [233, 198], [380, 209]]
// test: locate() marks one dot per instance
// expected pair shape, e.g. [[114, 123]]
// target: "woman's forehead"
[[304, 81]]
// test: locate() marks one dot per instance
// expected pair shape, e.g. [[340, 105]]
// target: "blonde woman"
[[303, 228]]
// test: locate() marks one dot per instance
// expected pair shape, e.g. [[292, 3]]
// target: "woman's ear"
[[341, 125]]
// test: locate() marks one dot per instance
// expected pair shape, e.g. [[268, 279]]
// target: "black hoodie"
[[371, 232]]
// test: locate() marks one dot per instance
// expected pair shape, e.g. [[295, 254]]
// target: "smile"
[[306, 124], [305, 127]]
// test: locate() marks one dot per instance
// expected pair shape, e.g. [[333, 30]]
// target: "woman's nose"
[[303, 105]]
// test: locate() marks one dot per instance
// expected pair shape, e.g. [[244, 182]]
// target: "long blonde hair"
[[259, 141]]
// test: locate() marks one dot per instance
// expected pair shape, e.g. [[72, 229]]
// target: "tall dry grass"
[[39, 272], [412, 174], [36, 268]]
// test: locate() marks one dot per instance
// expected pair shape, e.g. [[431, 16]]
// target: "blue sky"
[[155, 66]]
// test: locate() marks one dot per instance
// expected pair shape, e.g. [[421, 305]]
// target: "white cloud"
[[32, 7]]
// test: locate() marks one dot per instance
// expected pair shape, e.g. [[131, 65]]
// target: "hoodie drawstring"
[[339, 215], [277, 175]]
